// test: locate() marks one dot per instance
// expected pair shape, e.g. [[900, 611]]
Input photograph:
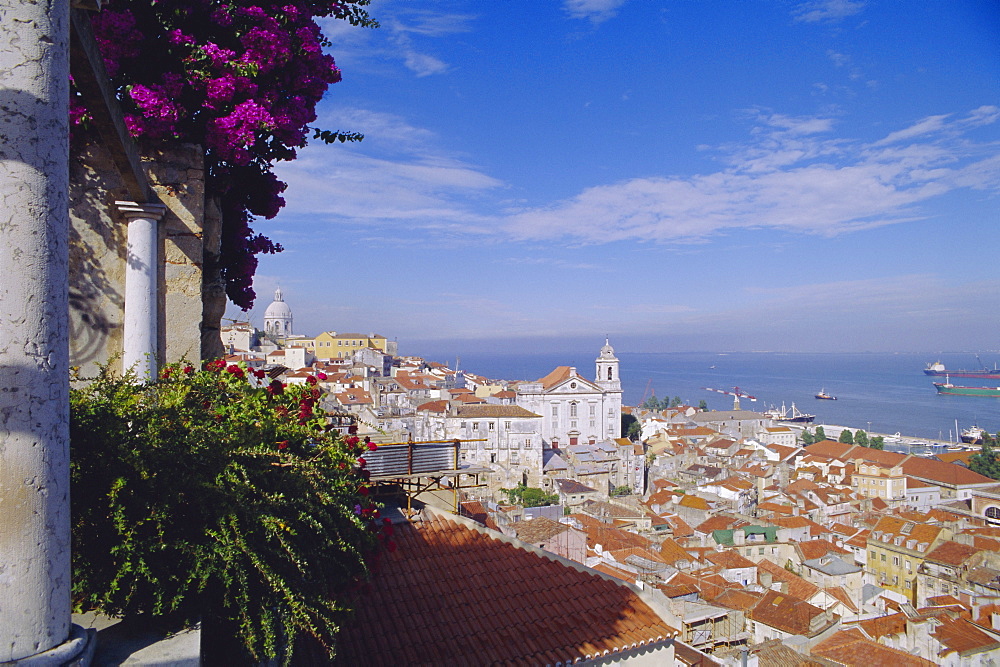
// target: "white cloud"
[[594, 10], [397, 174], [928, 125], [817, 11], [790, 178]]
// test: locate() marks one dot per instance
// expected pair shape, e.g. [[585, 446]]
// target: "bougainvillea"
[[212, 493], [240, 78]]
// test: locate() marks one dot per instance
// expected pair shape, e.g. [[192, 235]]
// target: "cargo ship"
[[796, 417], [954, 390], [938, 369]]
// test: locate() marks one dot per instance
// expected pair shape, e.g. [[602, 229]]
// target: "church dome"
[[607, 352], [278, 308]]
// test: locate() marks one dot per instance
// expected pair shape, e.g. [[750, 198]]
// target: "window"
[[883, 558], [475, 427], [907, 562], [872, 554], [609, 373], [895, 561], [506, 425], [555, 411], [993, 512], [572, 409], [760, 552], [527, 443], [906, 583], [492, 425], [593, 410]]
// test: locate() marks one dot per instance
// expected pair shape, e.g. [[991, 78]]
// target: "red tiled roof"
[[796, 585], [952, 553], [960, 636], [881, 626], [788, 613], [847, 647], [451, 594]]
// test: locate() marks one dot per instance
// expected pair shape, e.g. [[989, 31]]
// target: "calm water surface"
[[881, 393]]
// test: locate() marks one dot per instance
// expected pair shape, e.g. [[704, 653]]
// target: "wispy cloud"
[[817, 11], [793, 177], [793, 174], [409, 32], [399, 174], [594, 10]]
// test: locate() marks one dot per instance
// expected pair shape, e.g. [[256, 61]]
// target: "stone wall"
[[98, 257]]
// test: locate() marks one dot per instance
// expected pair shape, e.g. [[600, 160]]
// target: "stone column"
[[34, 323], [141, 281]]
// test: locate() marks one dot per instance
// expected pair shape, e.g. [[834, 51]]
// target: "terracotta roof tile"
[[847, 648], [796, 585], [788, 613], [456, 595]]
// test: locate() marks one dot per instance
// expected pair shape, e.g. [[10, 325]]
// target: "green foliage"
[[985, 462], [529, 496], [861, 438], [677, 402], [652, 403], [703, 405], [621, 491], [631, 426], [877, 442], [807, 437], [820, 434], [199, 494], [846, 437]]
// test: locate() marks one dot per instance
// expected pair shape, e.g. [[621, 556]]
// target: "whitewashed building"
[[576, 410]]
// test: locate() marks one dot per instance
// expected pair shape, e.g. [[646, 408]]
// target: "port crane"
[[735, 393]]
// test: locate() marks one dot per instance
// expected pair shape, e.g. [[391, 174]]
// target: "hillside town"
[[750, 547]]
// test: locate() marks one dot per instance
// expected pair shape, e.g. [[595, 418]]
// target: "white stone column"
[[34, 341], [141, 291]]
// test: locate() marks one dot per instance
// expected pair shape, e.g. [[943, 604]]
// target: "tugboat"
[[823, 396]]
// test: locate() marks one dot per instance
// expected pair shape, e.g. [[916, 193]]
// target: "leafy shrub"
[[200, 494]]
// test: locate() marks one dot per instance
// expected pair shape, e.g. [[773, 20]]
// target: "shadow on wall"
[[96, 258]]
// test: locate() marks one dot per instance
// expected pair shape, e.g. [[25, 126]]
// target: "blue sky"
[[769, 175]]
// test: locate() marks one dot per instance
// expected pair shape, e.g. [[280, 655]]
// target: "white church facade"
[[574, 409]]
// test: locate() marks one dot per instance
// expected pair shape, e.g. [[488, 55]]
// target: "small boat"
[[822, 395]]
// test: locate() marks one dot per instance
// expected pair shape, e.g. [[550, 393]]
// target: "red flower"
[[283, 444], [321, 375], [188, 369], [166, 373], [362, 462], [391, 546], [363, 490], [371, 446], [352, 440], [275, 387], [310, 380], [315, 393], [259, 374]]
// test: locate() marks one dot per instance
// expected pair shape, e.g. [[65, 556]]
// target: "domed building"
[[278, 317]]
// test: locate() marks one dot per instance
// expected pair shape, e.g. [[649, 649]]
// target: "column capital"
[[131, 210]]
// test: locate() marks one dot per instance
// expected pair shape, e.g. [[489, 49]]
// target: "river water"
[[881, 393]]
